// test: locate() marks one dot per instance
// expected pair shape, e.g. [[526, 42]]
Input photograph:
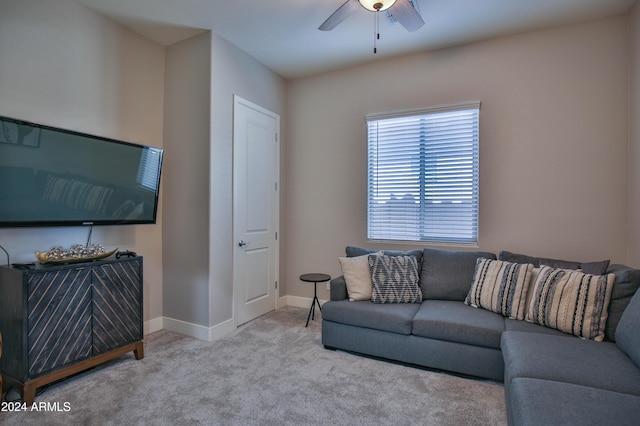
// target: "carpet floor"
[[270, 371]]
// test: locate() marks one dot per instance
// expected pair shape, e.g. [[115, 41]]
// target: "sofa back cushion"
[[448, 274], [595, 268], [628, 331], [353, 251], [626, 285]]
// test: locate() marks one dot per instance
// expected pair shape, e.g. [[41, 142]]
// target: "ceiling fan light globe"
[[374, 5]]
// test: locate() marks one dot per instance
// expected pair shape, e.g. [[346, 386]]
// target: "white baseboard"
[[282, 302], [219, 330], [189, 329], [297, 301], [152, 325], [193, 330]]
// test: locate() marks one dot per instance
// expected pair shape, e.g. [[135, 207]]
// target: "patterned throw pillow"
[[500, 287], [571, 301], [394, 279]]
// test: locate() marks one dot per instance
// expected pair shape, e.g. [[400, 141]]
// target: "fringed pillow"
[[571, 301], [500, 287]]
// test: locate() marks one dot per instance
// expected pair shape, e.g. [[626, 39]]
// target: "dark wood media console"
[[56, 321]]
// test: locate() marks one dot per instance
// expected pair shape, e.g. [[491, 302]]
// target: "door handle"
[[241, 243]]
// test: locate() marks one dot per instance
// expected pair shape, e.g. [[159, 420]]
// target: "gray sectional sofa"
[[550, 376]]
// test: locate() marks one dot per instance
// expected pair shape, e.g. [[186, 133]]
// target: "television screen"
[[55, 177]]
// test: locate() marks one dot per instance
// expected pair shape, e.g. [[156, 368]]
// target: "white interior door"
[[256, 168]]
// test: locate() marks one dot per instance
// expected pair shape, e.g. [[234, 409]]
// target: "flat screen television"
[[56, 177]]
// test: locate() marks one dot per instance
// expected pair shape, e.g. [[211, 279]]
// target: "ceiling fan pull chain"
[[376, 31]]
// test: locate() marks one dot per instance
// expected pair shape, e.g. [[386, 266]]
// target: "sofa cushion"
[[628, 332], [394, 279], [568, 359], [395, 318], [353, 251], [626, 285], [571, 301], [529, 327], [456, 322], [547, 402], [500, 287], [447, 274], [595, 268], [338, 289], [357, 276]]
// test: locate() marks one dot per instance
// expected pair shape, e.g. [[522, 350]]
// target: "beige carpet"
[[271, 371]]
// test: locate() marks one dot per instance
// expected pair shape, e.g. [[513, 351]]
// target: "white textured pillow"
[[357, 276], [500, 287], [571, 301]]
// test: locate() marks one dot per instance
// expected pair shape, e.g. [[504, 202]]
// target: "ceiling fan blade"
[[340, 15], [407, 15]]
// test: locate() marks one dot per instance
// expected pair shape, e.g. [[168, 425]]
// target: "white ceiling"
[[284, 35]]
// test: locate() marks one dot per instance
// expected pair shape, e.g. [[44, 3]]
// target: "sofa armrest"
[[338, 289]]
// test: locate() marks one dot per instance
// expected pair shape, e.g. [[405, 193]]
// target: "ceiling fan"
[[402, 11]]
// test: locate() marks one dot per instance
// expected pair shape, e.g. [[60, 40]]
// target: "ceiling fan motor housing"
[[403, 11], [377, 5]]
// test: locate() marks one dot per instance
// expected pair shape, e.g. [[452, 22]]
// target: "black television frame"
[[78, 222]]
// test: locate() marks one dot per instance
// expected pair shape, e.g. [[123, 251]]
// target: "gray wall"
[[203, 74], [554, 144], [185, 231], [634, 146], [233, 73], [556, 130], [72, 68]]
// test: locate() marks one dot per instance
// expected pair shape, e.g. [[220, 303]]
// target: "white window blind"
[[149, 168], [423, 174]]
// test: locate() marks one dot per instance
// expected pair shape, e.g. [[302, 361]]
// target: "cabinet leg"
[[139, 350], [28, 393]]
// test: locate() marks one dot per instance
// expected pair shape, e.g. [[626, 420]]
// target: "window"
[[423, 175], [149, 168]]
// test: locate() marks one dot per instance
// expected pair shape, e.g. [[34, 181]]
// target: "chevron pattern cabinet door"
[[117, 304], [59, 318]]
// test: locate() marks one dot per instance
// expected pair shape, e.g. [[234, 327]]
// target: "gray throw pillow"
[[447, 274]]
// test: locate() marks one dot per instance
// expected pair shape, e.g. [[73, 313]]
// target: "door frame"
[[237, 100]]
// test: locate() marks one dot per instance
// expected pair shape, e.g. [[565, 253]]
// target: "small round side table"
[[315, 279]]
